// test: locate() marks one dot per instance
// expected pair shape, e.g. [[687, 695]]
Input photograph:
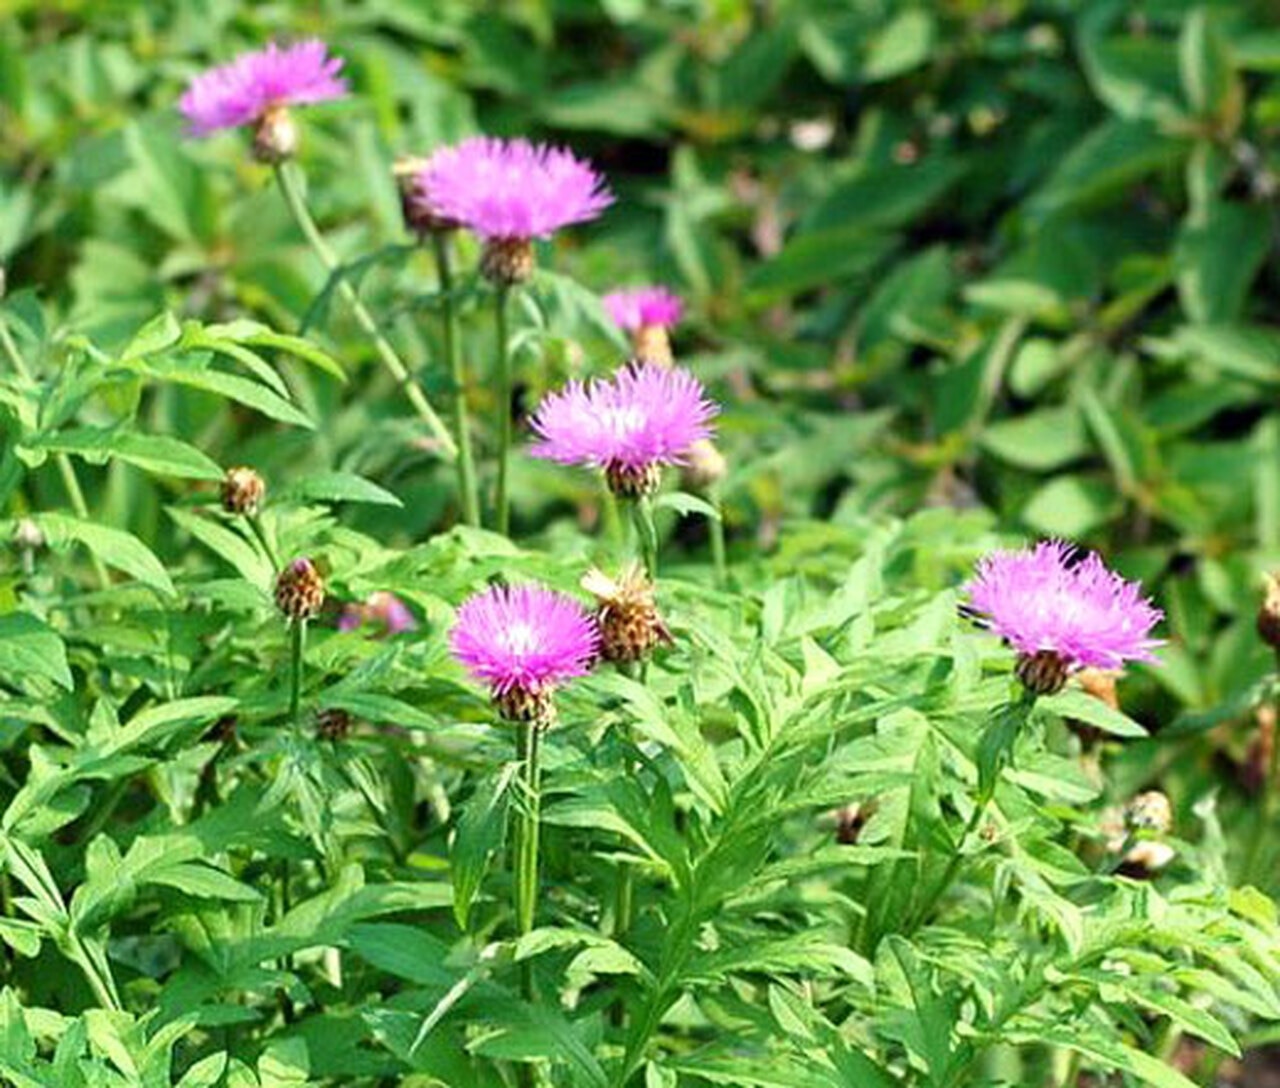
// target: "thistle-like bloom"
[[648, 314], [522, 642], [257, 88], [1061, 615], [632, 308], [626, 614], [645, 417], [509, 192], [381, 609]]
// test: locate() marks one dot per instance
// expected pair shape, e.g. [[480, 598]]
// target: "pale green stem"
[[291, 189], [526, 860], [715, 529], [468, 494], [647, 534], [298, 635], [502, 508]]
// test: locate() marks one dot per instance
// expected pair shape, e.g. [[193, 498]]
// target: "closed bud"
[[627, 615], [1150, 812], [521, 704], [507, 262], [1043, 673], [275, 137], [415, 201], [300, 591], [1269, 613], [27, 536], [333, 724], [705, 466], [850, 821], [242, 491]]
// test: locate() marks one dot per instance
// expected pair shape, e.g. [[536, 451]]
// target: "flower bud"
[[527, 704], [627, 615], [507, 262], [27, 536], [629, 481], [242, 491], [419, 214], [652, 344], [275, 136], [1150, 812], [704, 468], [300, 591], [1269, 613], [333, 723], [1043, 673], [850, 821]]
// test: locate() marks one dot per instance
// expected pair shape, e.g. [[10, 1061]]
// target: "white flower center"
[[520, 639], [623, 422]]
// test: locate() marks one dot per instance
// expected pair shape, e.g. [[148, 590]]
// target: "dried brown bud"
[[333, 724], [1042, 673], [242, 491], [627, 616], [1269, 613], [1150, 811], [275, 137], [850, 821], [415, 202], [300, 590], [506, 262], [1257, 761], [633, 481], [704, 468]]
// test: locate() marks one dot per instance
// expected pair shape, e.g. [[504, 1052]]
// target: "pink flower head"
[[646, 415], [513, 189], [1042, 599], [382, 609], [241, 92], [634, 308], [523, 638]]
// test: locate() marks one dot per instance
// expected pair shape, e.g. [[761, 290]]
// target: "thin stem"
[[526, 889], [647, 535], [467, 491], [1270, 795], [715, 529], [298, 633], [501, 506], [255, 526], [288, 178]]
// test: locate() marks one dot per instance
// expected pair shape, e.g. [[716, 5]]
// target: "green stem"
[[255, 526], [298, 633], [647, 534], [715, 529], [65, 469], [1265, 810], [468, 494], [288, 178], [502, 510]]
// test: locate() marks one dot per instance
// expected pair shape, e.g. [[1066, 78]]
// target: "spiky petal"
[[644, 417], [513, 189], [1043, 600], [635, 308], [524, 639], [248, 88]]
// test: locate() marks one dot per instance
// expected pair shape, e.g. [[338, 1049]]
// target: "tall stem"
[[1265, 811], [288, 178], [65, 468], [298, 635], [715, 529], [527, 834], [647, 535], [502, 509], [467, 493]]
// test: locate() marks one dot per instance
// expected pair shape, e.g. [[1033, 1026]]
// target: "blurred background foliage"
[[1004, 256]]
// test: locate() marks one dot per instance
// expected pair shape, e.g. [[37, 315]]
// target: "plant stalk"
[[646, 534], [715, 529], [291, 189], [1266, 808], [501, 506], [468, 495], [298, 635]]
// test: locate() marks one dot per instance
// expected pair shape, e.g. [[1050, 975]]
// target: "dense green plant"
[[1005, 261]]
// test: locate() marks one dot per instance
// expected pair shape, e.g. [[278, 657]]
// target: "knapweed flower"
[[648, 314], [300, 590], [380, 609], [258, 88], [242, 491], [522, 642], [1061, 614], [645, 417], [509, 192], [626, 614]]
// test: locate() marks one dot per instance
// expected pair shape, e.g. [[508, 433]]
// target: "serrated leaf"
[[115, 547], [30, 647]]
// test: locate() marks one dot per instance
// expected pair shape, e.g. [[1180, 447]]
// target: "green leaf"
[[1111, 1052], [30, 647], [115, 547], [1069, 506], [903, 44], [1041, 441], [338, 487], [1218, 257], [1208, 77], [160, 454], [480, 834], [1076, 704], [685, 504]]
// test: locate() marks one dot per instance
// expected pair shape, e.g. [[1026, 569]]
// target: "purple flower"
[[644, 417], [513, 189], [254, 84], [383, 609], [522, 641], [635, 308], [1044, 601]]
